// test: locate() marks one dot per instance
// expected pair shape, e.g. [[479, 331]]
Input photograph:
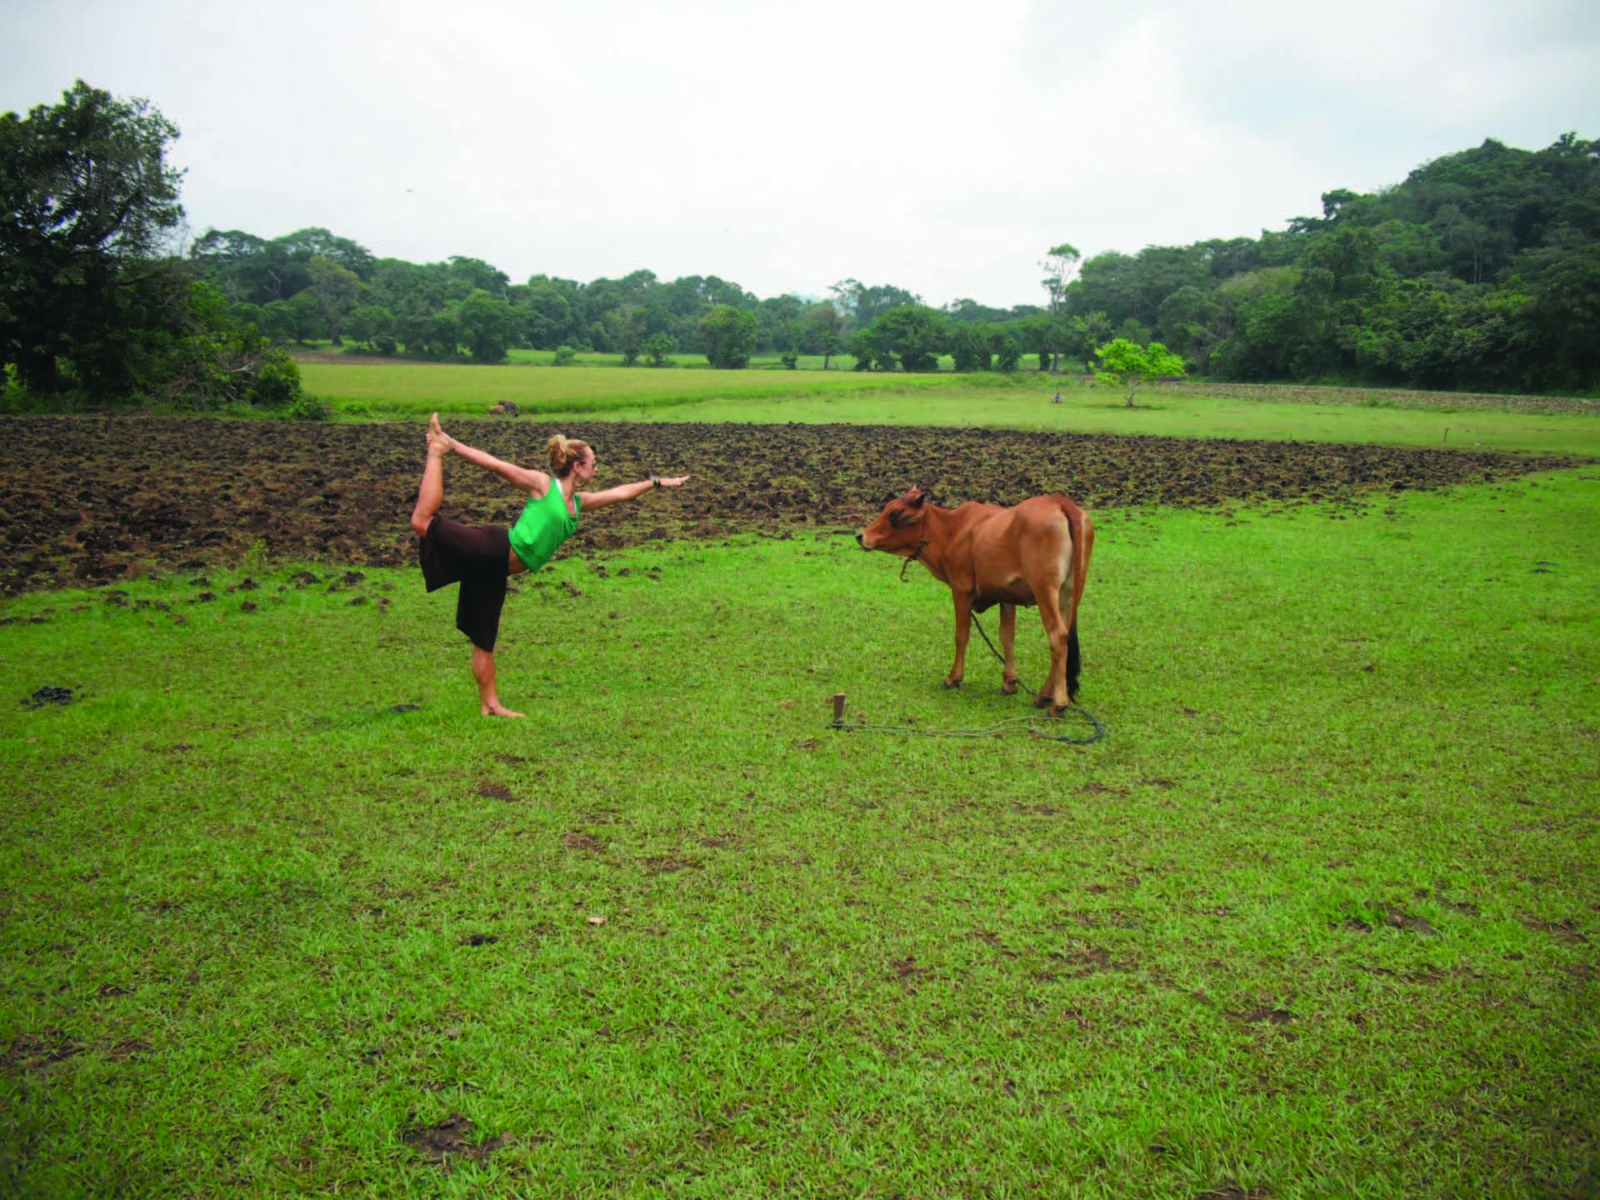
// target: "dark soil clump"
[[48, 695]]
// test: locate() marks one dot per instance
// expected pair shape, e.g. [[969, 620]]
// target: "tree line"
[[314, 284], [1481, 270]]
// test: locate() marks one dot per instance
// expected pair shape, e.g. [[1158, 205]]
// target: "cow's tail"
[[1081, 529], [1074, 661]]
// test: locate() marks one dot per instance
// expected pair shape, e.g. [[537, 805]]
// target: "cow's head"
[[898, 529]]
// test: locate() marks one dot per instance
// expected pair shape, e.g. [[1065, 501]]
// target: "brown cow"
[[1035, 553]]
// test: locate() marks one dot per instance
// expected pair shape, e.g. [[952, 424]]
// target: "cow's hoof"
[[1043, 701], [950, 684], [1008, 688]]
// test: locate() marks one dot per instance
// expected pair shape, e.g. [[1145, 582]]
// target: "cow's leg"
[[1053, 694], [958, 669], [1008, 646]]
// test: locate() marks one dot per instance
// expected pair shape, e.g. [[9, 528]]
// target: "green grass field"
[[411, 391], [1318, 918]]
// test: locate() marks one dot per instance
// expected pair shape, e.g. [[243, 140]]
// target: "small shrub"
[[564, 357], [306, 408], [791, 359], [276, 384], [16, 398]]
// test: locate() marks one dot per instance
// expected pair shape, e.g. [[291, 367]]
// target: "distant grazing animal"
[[1035, 553], [504, 409]]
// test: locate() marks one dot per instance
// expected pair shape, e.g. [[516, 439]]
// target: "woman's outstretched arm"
[[536, 483], [628, 491]]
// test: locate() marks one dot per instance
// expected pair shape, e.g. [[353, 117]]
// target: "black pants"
[[479, 559]]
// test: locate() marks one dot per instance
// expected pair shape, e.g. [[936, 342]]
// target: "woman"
[[482, 558]]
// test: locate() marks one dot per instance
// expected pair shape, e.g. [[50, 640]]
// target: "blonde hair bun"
[[565, 453]]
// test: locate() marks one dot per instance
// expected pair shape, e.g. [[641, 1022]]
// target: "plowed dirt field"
[[88, 500]]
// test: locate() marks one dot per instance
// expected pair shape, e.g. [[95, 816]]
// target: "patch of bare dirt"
[[30, 1051], [450, 1140], [1396, 919], [94, 499]]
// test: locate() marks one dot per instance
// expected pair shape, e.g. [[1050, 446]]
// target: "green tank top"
[[544, 524]]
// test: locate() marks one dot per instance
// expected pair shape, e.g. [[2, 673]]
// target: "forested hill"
[[1481, 270]]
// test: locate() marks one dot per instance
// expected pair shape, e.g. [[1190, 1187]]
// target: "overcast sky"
[[938, 146]]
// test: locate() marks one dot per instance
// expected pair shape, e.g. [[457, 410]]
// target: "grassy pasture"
[[1317, 919], [411, 391]]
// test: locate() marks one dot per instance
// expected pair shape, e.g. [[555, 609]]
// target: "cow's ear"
[[919, 499]]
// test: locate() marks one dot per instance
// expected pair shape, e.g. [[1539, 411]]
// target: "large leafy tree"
[[1089, 330], [1041, 334], [372, 328], [1569, 307], [88, 197], [1186, 323], [823, 328], [970, 347], [861, 305], [486, 327], [912, 335], [547, 312], [236, 263], [624, 330], [729, 335], [336, 290], [296, 250]]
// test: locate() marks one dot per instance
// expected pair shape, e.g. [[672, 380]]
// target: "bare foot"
[[500, 710], [439, 442]]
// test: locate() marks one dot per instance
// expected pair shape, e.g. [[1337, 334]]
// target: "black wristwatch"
[[656, 479]]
